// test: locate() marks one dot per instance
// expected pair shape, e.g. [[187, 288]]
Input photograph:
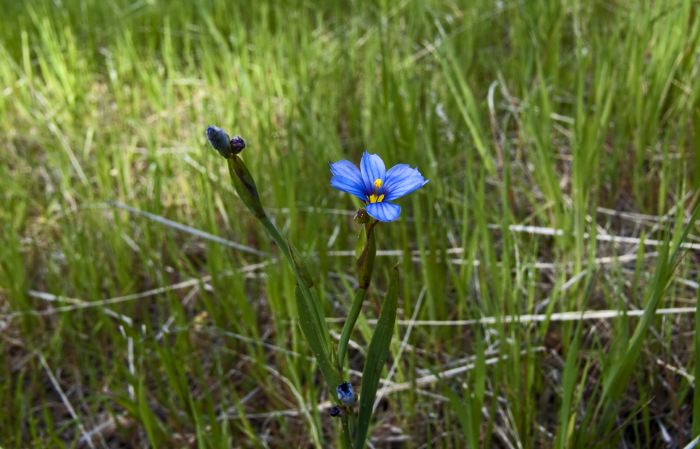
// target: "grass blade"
[[696, 390], [567, 416], [669, 257], [376, 357]]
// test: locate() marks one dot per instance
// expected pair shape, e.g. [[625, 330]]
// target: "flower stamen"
[[374, 198]]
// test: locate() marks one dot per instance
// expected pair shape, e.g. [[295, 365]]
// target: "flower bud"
[[346, 395], [362, 217], [237, 144], [244, 184], [335, 411], [219, 140], [365, 263]]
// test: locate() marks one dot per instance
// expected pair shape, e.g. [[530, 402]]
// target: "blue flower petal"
[[346, 169], [349, 186], [384, 211], [401, 180], [347, 177], [373, 168]]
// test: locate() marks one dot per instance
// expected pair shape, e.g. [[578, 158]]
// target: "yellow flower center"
[[374, 198]]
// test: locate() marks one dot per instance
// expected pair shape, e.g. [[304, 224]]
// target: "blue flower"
[[345, 393], [376, 186]]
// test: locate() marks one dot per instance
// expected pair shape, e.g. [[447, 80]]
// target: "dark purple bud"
[[335, 411], [219, 140], [237, 144]]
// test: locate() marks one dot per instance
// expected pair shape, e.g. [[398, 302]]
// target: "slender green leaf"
[[462, 409], [313, 333], [146, 415], [571, 369], [349, 325], [614, 383], [306, 284], [311, 317], [376, 357], [696, 390]]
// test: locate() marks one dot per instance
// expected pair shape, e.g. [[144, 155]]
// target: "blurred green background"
[[580, 119]]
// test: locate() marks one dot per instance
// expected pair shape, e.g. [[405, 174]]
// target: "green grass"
[[580, 116]]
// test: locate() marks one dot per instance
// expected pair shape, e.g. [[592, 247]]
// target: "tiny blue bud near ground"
[[220, 141], [375, 185], [346, 395], [237, 144], [335, 411]]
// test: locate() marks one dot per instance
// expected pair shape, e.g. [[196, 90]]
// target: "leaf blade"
[[376, 357], [314, 336]]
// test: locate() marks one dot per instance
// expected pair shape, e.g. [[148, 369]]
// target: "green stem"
[[353, 423], [345, 439], [365, 263], [349, 325], [300, 271], [365, 267], [277, 237]]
